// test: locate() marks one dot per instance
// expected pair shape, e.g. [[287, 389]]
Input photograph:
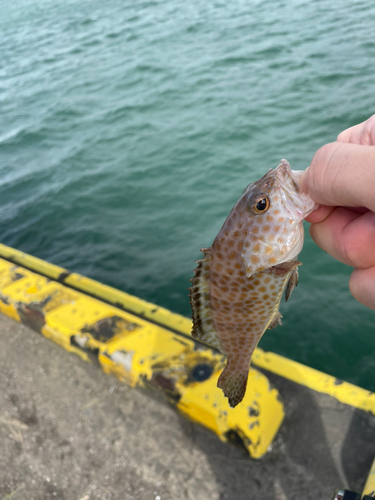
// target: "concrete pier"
[[70, 432]]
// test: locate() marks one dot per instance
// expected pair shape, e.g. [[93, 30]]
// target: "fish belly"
[[242, 309]]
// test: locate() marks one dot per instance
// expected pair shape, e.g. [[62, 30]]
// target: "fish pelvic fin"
[[292, 283], [203, 325], [233, 384]]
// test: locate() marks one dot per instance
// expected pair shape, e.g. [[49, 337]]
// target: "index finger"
[[342, 174]]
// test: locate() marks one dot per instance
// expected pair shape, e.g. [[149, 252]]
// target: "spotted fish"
[[238, 285]]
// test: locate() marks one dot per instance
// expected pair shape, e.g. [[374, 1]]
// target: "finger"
[[362, 286], [358, 210], [352, 134], [363, 133], [320, 214], [348, 237], [342, 174]]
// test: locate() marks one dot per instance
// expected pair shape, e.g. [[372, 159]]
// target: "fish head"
[[273, 209]]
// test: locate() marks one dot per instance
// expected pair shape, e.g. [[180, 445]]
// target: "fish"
[[239, 283]]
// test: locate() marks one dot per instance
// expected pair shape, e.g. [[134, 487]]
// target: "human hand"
[[341, 178]]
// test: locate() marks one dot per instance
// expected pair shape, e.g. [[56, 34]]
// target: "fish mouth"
[[297, 203], [284, 171]]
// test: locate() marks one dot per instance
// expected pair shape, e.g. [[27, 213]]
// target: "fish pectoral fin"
[[276, 320], [233, 384], [292, 283], [285, 267]]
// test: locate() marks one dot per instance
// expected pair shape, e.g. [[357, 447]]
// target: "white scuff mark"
[[124, 358], [87, 495], [81, 340], [280, 495], [15, 426]]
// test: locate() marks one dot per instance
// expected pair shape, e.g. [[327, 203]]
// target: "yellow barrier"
[[147, 345], [301, 374]]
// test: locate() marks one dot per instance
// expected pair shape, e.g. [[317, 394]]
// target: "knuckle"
[[319, 171], [341, 136], [350, 252]]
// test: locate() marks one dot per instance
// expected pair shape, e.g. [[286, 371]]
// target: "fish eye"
[[262, 205]]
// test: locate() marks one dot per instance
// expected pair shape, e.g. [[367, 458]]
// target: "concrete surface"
[[70, 432]]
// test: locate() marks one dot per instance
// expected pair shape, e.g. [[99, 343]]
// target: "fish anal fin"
[[276, 320], [203, 325], [233, 384], [292, 283]]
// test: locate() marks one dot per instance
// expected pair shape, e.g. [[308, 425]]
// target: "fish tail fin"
[[233, 384]]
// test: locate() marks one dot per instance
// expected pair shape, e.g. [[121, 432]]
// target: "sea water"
[[128, 129]]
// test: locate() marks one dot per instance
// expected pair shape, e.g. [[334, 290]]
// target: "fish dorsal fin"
[[203, 325]]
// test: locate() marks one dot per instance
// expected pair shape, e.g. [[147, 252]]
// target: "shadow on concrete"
[[300, 464], [358, 450]]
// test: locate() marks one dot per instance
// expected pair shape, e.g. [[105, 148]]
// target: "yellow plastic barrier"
[[143, 344]]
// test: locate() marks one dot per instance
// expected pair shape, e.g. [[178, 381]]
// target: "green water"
[[129, 129]]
